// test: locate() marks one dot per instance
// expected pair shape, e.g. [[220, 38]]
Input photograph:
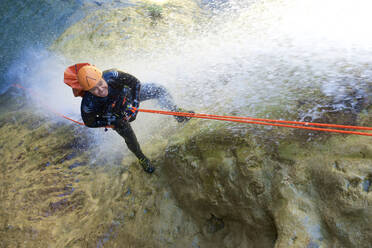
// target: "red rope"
[[250, 120], [225, 118], [254, 119]]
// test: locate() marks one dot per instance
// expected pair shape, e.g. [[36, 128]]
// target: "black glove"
[[114, 119], [132, 112]]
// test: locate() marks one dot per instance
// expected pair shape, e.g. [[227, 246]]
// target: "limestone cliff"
[[215, 186], [284, 194]]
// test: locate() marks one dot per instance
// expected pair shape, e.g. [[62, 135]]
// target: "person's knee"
[[161, 91], [157, 89], [122, 127]]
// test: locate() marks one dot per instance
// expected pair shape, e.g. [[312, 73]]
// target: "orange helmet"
[[89, 76], [82, 77]]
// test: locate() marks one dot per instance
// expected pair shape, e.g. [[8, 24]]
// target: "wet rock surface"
[[51, 193], [215, 186], [128, 30], [288, 194]]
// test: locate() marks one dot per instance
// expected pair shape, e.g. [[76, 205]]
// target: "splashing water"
[[270, 54], [250, 58], [256, 57]]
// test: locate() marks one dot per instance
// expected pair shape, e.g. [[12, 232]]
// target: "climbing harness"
[[249, 120]]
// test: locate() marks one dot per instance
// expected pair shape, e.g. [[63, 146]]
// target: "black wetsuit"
[[123, 89]]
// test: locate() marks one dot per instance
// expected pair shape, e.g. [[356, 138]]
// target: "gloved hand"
[[132, 111], [114, 118]]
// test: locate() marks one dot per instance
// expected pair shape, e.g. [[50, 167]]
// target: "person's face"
[[101, 89]]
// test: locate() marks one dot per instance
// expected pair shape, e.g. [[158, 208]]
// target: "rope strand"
[[254, 119], [222, 118]]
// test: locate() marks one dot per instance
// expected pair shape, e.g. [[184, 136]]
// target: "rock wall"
[[128, 31], [216, 185], [288, 193], [52, 194]]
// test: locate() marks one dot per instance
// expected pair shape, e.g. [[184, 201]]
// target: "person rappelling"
[[112, 98]]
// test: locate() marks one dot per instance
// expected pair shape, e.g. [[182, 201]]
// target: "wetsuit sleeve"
[[91, 120], [90, 116], [127, 80]]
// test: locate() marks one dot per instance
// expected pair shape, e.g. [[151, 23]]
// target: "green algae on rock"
[[129, 30], [51, 193], [291, 193], [217, 185]]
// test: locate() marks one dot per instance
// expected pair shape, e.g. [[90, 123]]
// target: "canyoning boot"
[[183, 119], [146, 165]]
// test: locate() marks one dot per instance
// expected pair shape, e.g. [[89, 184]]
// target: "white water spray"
[[251, 58]]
